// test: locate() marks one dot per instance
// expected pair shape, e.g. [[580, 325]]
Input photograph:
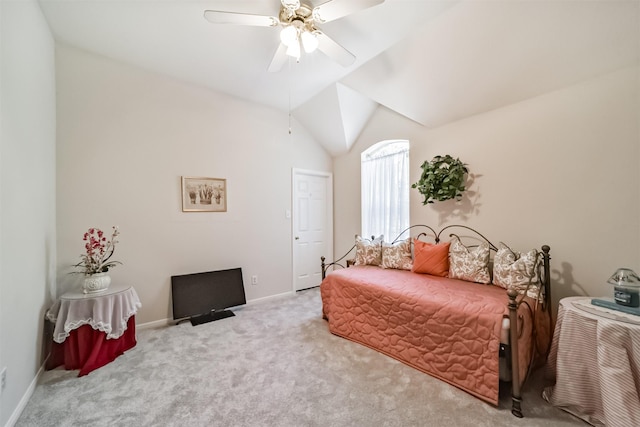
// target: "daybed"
[[421, 306]]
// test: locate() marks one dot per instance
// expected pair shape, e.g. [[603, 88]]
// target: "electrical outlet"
[[254, 280], [3, 378]]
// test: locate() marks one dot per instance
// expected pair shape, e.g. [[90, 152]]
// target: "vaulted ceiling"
[[431, 61]]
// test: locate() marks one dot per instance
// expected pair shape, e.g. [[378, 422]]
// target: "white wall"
[[559, 169], [126, 136], [27, 196]]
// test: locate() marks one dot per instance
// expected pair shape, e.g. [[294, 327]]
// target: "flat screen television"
[[204, 297]]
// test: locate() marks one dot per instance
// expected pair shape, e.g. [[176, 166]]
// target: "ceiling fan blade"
[[279, 58], [334, 9], [333, 50], [219, 17], [290, 4]]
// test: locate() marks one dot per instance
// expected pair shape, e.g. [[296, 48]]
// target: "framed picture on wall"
[[204, 194]]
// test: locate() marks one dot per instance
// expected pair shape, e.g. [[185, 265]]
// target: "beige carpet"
[[273, 364]]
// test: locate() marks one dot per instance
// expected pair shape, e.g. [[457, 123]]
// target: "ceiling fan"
[[300, 30]]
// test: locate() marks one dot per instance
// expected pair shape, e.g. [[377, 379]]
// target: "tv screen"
[[201, 293]]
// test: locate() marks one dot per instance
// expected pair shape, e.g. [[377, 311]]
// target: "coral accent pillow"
[[470, 264], [369, 252], [397, 255], [431, 259]]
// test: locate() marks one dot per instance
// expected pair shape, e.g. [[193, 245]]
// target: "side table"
[[91, 330], [595, 360]]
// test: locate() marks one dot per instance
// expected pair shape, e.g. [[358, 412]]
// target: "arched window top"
[[385, 148]]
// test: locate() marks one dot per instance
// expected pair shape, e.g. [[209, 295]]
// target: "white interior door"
[[312, 226]]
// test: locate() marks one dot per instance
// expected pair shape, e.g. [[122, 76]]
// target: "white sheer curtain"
[[385, 189]]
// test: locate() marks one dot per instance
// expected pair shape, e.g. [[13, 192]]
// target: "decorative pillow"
[[467, 264], [397, 255], [514, 269], [431, 259], [368, 252]]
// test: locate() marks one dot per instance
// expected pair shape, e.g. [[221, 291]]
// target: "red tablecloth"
[[93, 329], [88, 349]]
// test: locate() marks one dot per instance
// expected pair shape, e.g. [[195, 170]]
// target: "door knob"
[[297, 238]]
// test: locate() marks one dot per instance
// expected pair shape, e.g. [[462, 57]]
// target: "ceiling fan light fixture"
[[298, 27], [289, 35], [309, 41], [294, 50]]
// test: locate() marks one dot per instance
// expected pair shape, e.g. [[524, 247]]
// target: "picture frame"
[[202, 194]]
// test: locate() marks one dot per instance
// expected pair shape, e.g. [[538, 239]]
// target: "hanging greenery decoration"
[[442, 179]]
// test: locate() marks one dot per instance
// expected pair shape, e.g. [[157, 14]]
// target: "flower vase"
[[96, 282]]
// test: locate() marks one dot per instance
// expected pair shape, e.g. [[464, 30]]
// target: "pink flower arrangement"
[[98, 251]]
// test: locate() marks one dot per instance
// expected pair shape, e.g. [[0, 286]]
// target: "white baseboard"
[[269, 298], [167, 322], [155, 324], [25, 398]]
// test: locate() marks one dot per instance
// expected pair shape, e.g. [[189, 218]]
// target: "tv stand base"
[[210, 317]]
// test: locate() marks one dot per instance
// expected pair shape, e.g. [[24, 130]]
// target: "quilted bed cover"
[[447, 328]]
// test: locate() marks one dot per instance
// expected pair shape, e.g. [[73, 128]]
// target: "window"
[[385, 189]]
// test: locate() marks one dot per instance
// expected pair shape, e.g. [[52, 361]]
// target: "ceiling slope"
[[431, 61], [336, 116], [479, 56]]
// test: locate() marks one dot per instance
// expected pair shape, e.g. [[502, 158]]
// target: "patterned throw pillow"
[[514, 269], [368, 252], [431, 259], [467, 264], [397, 255]]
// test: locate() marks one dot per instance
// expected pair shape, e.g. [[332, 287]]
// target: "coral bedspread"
[[447, 328]]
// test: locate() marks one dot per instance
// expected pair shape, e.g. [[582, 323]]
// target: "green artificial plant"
[[442, 179]]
